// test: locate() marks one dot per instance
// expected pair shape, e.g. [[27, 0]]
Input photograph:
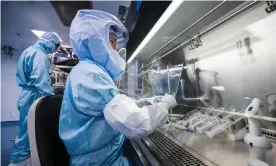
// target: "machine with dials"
[[61, 64], [255, 137]]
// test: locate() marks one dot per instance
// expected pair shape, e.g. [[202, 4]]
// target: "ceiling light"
[[38, 33], [165, 16]]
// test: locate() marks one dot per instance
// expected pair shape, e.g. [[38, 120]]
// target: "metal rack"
[[220, 151], [266, 118], [187, 41], [171, 153], [191, 26]]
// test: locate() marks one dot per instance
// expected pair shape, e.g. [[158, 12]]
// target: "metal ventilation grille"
[[173, 152], [270, 134]]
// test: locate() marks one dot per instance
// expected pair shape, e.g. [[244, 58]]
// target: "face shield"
[[90, 32], [122, 53], [120, 81], [117, 42]]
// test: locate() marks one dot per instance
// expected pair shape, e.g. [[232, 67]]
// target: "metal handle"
[[182, 83]]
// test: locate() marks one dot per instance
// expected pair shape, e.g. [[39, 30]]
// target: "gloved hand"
[[141, 103], [148, 101], [169, 101]]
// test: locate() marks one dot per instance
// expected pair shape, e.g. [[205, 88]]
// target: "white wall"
[[9, 89], [240, 73]]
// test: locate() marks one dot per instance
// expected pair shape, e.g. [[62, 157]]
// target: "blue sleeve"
[[40, 74], [93, 92]]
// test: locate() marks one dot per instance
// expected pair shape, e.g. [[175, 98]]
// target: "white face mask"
[[122, 53]]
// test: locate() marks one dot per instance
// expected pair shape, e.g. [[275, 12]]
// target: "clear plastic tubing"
[[211, 122], [187, 121], [202, 119], [217, 129], [194, 119]]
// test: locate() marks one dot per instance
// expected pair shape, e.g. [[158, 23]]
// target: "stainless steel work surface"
[[221, 151]]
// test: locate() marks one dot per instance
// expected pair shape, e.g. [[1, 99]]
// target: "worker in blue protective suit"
[[94, 117], [33, 76]]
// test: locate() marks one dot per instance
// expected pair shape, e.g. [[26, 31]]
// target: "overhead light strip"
[[165, 16]]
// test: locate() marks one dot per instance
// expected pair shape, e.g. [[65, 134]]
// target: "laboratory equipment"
[[209, 123], [255, 162], [192, 119], [271, 100], [216, 72], [200, 98], [226, 123], [59, 78], [217, 129], [62, 63], [254, 137], [166, 80], [197, 123]]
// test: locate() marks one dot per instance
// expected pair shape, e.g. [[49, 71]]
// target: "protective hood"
[[89, 37], [48, 42]]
